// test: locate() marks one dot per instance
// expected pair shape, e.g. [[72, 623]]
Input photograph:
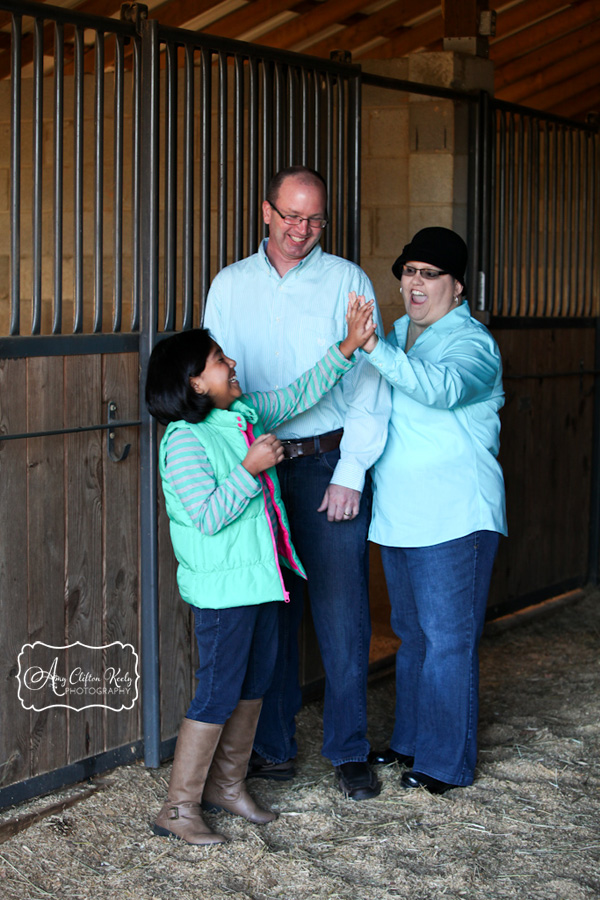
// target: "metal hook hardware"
[[110, 437]]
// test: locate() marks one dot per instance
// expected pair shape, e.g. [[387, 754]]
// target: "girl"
[[229, 532]]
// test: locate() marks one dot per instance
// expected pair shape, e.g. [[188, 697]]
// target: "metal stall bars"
[[219, 118]]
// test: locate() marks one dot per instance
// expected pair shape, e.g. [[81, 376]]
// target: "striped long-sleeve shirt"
[[213, 506]]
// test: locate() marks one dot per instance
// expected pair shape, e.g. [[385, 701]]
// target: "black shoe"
[[259, 767], [418, 779], [357, 780], [389, 756]]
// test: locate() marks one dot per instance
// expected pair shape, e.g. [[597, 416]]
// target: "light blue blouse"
[[438, 477]]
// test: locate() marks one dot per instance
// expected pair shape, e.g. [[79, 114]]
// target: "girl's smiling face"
[[218, 379]]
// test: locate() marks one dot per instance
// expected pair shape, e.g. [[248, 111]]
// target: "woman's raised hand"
[[361, 327]]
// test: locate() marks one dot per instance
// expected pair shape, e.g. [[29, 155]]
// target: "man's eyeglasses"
[[313, 221], [429, 274]]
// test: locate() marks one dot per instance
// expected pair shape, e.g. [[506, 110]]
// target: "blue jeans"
[[237, 650], [439, 596], [335, 555]]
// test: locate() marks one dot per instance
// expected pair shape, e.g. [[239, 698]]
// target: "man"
[[276, 312]]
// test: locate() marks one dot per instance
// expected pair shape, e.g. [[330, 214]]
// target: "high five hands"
[[358, 304]]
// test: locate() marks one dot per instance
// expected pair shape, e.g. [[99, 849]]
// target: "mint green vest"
[[238, 566]]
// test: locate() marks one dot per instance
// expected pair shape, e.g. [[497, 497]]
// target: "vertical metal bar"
[[205, 171], [340, 179], [15, 178], [509, 222], [560, 305], [547, 223], [187, 249], [292, 121], [328, 173], [577, 231], [592, 228], [170, 218], [278, 120], [118, 188], [586, 286], [222, 213], [485, 202], [501, 221], [492, 137], [78, 185], [150, 85], [528, 219], [537, 174], [569, 299], [253, 152], [267, 129], [304, 117], [238, 159], [318, 131], [518, 222], [474, 216], [59, 116], [38, 129], [353, 152], [99, 182], [136, 259], [554, 220]]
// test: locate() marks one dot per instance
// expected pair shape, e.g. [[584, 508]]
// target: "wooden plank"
[[84, 595], [525, 71], [580, 105], [46, 541], [570, 85], [15, 756], [461, 17], [120, 526], [407, 40], [303, 27], [579, 15]]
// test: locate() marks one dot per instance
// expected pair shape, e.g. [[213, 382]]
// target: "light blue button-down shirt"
[[439, 477], [278, 327]]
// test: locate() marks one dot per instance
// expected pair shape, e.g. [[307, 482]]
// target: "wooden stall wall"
[[69, 548], [546, 453]]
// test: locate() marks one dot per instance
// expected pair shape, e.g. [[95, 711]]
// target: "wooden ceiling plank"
[[461, 17], [248, 17], [176, 13], [524, 15], [578, 16], [406, 40], [536, 61], [580, 105], [379, 24], [327, 13], [563, 69], [561, 92]]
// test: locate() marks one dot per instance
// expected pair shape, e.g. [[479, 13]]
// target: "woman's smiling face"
[[428, 299], [218, 379]]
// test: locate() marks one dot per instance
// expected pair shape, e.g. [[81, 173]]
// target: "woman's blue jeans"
[[438, 596], [237, 650]]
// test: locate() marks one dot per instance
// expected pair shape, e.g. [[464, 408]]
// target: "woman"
[[438, 508]]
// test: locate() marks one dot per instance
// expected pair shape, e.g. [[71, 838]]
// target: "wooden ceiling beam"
[[523, 15], [378, 24], [406, 40], [461, 17], [564, 69], [580, 105], [327, 13], [534, 63], [249, 16], [579, 15], [176, 13], [561, 92]]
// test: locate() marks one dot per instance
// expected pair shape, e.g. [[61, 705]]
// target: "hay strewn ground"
[[528, 828]]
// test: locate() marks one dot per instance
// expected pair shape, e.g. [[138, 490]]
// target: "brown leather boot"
[[225, 786], [180, 817]]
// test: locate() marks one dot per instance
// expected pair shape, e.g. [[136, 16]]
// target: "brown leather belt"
[[321, 443]]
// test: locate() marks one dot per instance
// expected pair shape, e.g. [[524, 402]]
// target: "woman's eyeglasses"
[[429, 274], [313, 221]]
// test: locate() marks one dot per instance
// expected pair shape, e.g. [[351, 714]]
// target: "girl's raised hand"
[[361, 327]]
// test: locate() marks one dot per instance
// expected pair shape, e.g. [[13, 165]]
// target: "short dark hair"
[[308, 176], [174, 360]]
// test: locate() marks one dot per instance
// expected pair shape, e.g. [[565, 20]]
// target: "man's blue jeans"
[[335, 555], [438, 596]]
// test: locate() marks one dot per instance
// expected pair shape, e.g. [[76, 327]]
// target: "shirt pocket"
[[320, 332]]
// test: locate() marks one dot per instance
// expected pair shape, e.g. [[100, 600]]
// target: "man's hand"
[[341, 503]]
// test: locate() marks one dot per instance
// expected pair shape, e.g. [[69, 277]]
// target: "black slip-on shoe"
[[419, 779], [387, 757], [357, 780], [259, 767]]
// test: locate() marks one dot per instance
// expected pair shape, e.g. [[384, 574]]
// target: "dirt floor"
[[528, 828]]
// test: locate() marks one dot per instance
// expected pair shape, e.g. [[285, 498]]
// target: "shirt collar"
[[309, 260], [238, 415], [448, 323]]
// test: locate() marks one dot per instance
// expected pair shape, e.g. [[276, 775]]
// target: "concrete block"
[[384, 182], [431, 178], [390, 231], [423, 216], [4, 281], [387, 132], [432, 126], [4, 189]]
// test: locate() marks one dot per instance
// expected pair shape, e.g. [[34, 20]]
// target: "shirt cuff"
[[350, 474], [250, 485]]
